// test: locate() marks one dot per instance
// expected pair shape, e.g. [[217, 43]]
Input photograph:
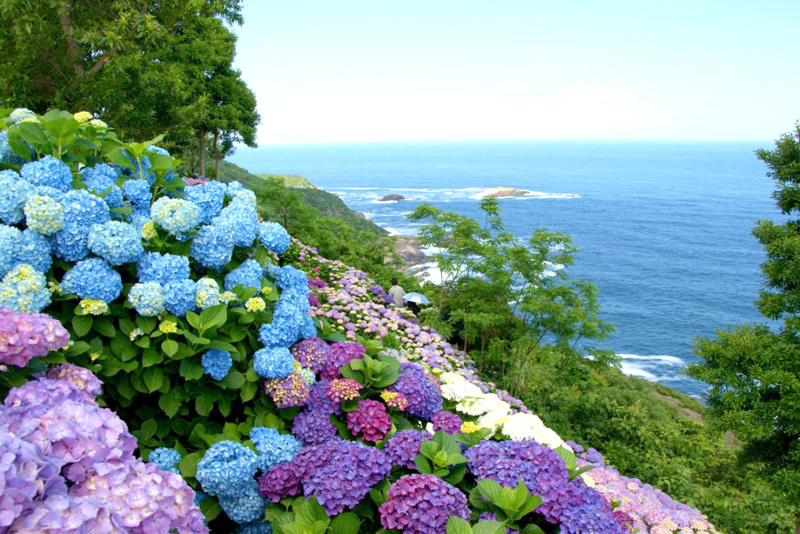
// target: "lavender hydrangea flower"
[[313, 428], [447, 421], [80, 377], [341, 353], [216, 363], [422, 504], [24, 336], [92, 279], [424, 399], [403, 447], [339, 473]]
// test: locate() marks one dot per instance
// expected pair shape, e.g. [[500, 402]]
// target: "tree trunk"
[[797, 525], [216, 155], [201, 142]]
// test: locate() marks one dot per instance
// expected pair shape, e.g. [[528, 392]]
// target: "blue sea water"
[[663, 228]]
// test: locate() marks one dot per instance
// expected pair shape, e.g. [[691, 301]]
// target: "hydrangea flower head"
[[248, 274], [274, 237], [403, 447], [92, 279], [206, 293], [101, 180], [9, 243], [80, 377], [273, 447], [312, 353], [255, 304], [241, 219], [341, 353], [226, 469], [422, 504], [43, 214], [162, 268], [273, 363], [423, 396], [176, 216], [179, 297], [343, 389], [34, 249], [246, 506], [24, 336], [369, 421], [138, 193], [395, 400], [92, 307], [14, 191], [147, 298], [48, 171], [212, 247], [116, 242], [289, 391], [208, 197], [447, 421], [24, 289], [165, 458], [313, 428], [82, 210], [216, 363]]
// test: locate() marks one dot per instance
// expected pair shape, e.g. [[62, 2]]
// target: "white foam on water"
[[633, 370], [539, 195], [653, 367], [662, 358]]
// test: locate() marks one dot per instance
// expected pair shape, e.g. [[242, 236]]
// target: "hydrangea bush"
[[275, 388]]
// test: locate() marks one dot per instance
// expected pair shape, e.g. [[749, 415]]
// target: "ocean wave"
[[537, 195], [661, 358], [374, 195]]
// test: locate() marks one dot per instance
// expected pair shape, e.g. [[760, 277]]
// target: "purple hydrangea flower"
[[319, 401], [24, 336], [312, 353], [341, 353], [424, 399], [313, 428], [403, 447], [422, 504], [447, 421], [289, 391], [80, 377]]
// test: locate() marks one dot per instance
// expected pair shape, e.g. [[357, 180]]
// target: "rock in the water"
[[393, 196], [501, 192]]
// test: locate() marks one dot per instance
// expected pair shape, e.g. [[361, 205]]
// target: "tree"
[[754, 371], [120, 59], [494, 286]]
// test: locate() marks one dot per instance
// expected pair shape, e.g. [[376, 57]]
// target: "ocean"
[[663, 228]]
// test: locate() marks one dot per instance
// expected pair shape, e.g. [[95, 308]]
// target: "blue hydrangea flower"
[[209, 197], [24, 290], [43, 214], [256, 527], [5, 148], [207, 293], [179, 297], [246, 506], [241, 219], [248, 274], [138, 193], [82, 210], [14, 191], [163, 268], [9, 242], [21, 114], [273, 447], [233, 188], [216, 363], [165, 458], [309, 328], [116, 242], [147, 298], [102, 181], [139, 172], [47, 191], [175, 215], [48, 171], [273, 363], [212, 247], [93, 279], [274, 237], [34, 249], [227, 468]]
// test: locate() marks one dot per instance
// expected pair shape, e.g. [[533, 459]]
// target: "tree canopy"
[[753, 370]]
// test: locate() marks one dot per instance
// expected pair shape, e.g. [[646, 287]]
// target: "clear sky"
[[388, 70]]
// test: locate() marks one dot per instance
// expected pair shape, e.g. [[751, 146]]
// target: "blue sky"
[[386, 70]]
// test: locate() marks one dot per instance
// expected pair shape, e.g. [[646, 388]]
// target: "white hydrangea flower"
[[450, 378], [521, 426], [479, 405], [493, 420], [458, 391]]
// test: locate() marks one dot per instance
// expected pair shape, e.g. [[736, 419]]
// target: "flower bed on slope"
[[281, 386]]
